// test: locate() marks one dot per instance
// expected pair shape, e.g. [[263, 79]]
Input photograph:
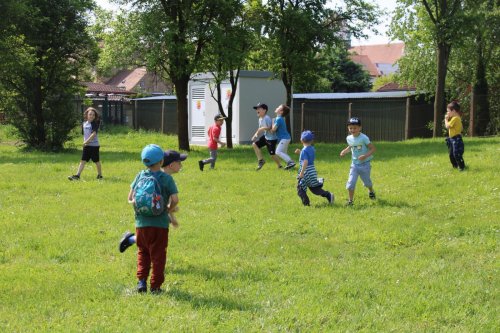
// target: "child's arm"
[[131, 196], [172, 207], [90, 138], [345, 151], [369, 153], [303, 169]]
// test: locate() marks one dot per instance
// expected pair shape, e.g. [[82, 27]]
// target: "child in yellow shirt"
[[453, 123]]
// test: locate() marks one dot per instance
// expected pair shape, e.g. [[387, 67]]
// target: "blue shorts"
[[362, 170]]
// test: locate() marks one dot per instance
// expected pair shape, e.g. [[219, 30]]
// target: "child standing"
[[308, 177], [362, 153], [453, 122], [171, 164], [90, 143], [152, 229], [282, 134], [264, 137], [213, 142]]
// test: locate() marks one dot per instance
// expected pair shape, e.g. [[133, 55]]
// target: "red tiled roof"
[[393, 86], [364, 61], [101, 88], [381, 53], [128, 79]]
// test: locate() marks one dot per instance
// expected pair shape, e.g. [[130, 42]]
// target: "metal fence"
[[391, 119], [156, 114]]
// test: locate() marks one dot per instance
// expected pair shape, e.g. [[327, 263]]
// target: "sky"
[[386, 5]]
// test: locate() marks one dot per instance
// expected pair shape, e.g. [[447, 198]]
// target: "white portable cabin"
[[253, 87]]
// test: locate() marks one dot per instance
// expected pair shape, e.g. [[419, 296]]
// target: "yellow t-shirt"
[[455, 126]]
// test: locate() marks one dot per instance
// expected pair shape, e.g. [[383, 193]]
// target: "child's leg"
[[98, 167], [364, 171], [302, 193], [143, 254], [158, 246], [282, 149], [450, 153], [458, 151], [351, 181], [257, 151], [318, 190], [211, 160], [81, 167]]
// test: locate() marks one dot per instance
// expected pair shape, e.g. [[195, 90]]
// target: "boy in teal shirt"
[[362, 153], [152, 231]]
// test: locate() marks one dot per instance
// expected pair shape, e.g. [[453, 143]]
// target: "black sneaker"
[[99, 177], [349, 203], [372, 196], [290, 165], [142, 287], [330, 197], [74, 177], [156, 291], [125, 241], [260, 165], [201, 165]]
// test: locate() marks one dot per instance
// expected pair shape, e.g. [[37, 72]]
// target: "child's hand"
[[173, 221], [342, 153], [361, 157], [297, 151], [222, 144]]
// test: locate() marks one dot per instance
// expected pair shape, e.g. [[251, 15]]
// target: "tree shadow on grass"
[[199, 301]]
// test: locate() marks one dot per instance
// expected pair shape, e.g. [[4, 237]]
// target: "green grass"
[[248, 257]]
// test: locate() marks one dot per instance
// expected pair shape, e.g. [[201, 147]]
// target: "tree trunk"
[[181, 91], [39, 130], [480, 91], [443, 53]]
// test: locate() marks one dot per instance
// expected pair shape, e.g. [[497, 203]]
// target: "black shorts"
[[90, 153], [270, 144]]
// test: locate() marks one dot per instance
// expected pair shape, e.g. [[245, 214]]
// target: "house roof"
[[393, 86], [364, 61], [380, 53], [128, 79], [100, 88]]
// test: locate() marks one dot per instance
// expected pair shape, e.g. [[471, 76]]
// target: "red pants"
[[152, 243]]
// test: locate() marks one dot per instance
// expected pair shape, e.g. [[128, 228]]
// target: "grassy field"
[[248, 257]]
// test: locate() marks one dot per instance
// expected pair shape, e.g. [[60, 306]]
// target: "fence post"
[[407, 119], [302, 117], [135, 115], [350, 111], [471, 114], [162, 116]]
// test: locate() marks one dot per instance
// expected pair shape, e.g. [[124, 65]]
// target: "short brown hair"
[[286, 109], [454, 106]]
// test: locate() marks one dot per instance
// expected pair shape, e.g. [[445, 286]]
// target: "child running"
[[282, 134], [308, 177], [362, 153], [213, 142], [264, 137]]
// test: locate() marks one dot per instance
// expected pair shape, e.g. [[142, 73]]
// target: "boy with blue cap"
[[152, 223], [308, 177], [362, 153]]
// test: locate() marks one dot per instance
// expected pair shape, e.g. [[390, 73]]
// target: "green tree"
[[420, 24], [296, 31], [233, 35], [169, 37], [45, 48]]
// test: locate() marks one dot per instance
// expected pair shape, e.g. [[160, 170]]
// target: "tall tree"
[[171, 36], [297, 30], [441, 20], [233, 36], [44, 50]]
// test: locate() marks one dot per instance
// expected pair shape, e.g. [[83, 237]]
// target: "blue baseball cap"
[[151, 154], [307, 136]]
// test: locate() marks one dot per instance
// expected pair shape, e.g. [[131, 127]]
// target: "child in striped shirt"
[[308, 177]]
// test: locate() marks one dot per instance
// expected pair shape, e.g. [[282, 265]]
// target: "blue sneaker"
[[142, 286]]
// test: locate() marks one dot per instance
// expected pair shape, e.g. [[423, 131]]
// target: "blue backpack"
[[147, 195]]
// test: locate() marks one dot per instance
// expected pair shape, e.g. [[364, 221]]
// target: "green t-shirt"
[[168, 188]]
